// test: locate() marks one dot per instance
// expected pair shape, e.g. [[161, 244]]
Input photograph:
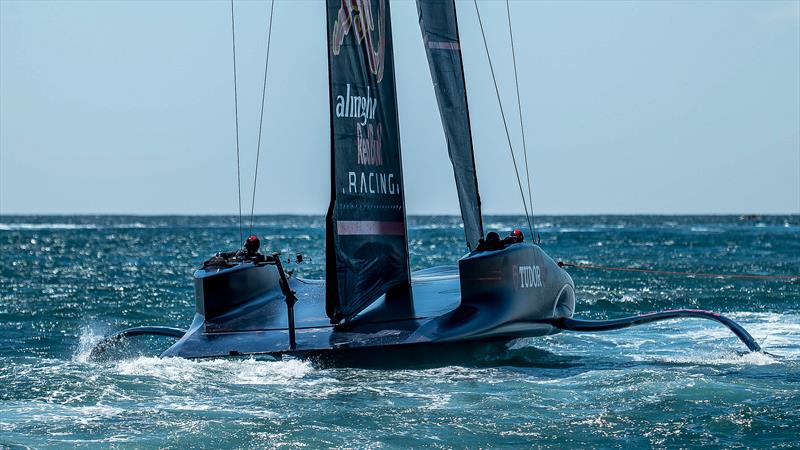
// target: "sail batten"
[[366, 246], [437, 20]]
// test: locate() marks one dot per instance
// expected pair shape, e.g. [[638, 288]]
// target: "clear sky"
[[631, 107]]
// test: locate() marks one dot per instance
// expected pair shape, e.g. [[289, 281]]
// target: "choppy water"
[[65, 281]]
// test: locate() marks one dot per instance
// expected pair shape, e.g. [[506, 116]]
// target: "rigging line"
[[261, 120], [505, 124], [236, 115], [521, 122], [683, 274]]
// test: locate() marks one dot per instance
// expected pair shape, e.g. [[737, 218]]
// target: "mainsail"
[[437, 19], [367, 252]]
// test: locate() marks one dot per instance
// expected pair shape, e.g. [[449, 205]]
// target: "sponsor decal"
[[368, 179], [356, 106], [527, 276], [369, 146], [357, 15], [371, 183]]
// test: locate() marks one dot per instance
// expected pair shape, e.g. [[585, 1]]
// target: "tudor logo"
[[530, 277], [358, 15]]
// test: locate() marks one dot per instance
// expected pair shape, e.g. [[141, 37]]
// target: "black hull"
[[492, 296]]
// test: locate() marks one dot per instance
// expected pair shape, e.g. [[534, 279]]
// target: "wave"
[[45, 226], [712, 359], [234, 371], [86, 342], [69, 226]]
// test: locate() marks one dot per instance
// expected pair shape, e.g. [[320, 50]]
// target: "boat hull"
[[492, 296]]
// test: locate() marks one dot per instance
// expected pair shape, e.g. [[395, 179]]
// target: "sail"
[[367, 251], [437, 19]]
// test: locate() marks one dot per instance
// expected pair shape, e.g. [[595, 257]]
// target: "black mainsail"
[[437, 19], [367, 251]]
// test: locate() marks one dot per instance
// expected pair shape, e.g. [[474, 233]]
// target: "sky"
[[659, 107]]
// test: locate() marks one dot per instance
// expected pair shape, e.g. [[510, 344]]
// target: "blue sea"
[[66, 281]]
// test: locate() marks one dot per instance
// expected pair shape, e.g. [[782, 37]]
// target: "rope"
[[521, 122], [683, 274], [236, 114], [261, 120], [505, 124]]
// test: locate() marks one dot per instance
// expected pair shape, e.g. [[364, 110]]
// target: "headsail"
[[437, 19], [367, 252]]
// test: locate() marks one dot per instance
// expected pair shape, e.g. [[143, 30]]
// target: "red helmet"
[[252, 244]]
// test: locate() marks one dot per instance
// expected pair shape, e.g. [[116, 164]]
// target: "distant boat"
[[504, 288]]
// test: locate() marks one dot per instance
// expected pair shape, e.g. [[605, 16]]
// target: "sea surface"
[[65, 281]]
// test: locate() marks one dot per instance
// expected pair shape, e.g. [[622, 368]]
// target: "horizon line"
[[665, 214]]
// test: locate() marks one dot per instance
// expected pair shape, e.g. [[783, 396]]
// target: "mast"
[[366, 245], [437, 20]]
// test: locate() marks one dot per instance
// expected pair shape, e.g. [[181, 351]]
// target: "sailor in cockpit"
[[249, 253]]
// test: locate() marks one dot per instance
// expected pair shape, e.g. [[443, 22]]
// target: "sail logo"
[[358, 16], [368, 146], [356, 106], [371, 183], [529, 277]]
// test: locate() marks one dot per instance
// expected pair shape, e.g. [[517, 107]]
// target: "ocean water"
[[66, 281]]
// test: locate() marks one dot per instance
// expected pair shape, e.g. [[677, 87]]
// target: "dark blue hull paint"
[[489, 297]]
